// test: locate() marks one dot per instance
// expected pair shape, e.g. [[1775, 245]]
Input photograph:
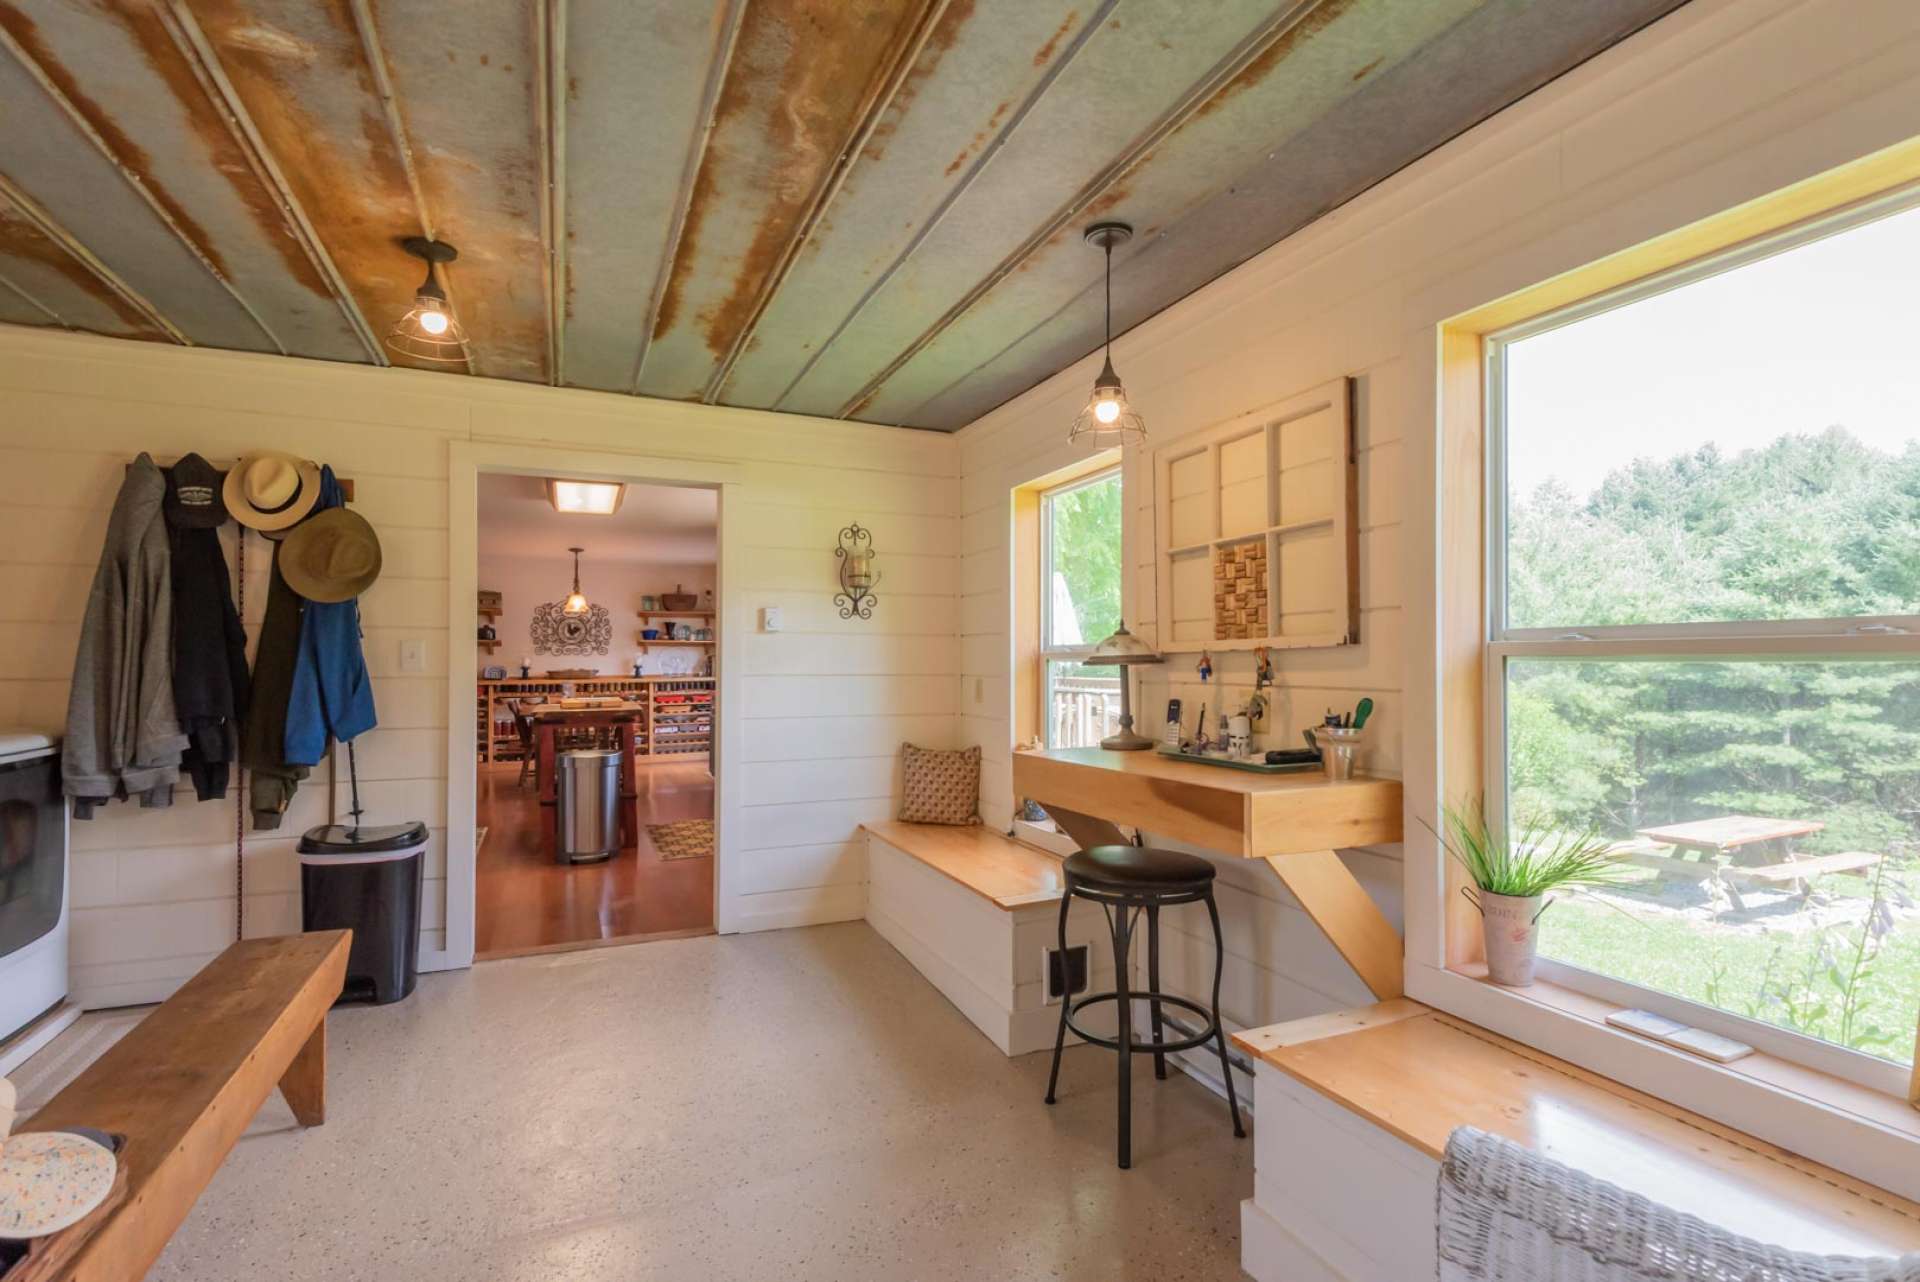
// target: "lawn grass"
[[1767, 977]]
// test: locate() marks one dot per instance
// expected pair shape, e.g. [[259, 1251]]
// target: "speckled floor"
[[792, 1105]]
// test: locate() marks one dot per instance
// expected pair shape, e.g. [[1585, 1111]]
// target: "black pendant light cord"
[[1109, 250]]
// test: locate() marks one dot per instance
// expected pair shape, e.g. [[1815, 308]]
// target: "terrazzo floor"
[[798, 1104]]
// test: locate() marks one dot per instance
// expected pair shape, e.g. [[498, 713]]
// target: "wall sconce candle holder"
[[857, 575]]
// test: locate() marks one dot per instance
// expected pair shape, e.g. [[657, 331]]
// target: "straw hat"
[[331, 556], [270, 491]]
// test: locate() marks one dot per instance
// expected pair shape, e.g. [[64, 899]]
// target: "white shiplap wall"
[[1719, 103], [825, 702]]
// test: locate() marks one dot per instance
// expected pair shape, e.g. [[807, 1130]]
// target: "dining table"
[[620, 716]]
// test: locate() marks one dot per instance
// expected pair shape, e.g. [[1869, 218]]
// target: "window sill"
[[1865, 1133]]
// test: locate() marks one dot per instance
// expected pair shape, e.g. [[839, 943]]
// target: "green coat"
[[263, 747]]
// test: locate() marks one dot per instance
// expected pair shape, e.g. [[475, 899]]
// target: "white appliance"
[[34, 908]]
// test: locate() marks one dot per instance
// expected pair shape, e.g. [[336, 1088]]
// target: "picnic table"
[[1757, 851]]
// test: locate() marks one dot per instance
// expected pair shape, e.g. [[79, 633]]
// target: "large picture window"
[[1704, 636], [1079, 608]]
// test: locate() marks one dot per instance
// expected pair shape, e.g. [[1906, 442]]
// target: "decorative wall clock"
[[554, 631]]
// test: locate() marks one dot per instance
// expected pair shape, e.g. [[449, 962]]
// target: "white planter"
[[1512, 926]]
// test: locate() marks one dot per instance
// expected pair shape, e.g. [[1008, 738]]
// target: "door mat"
[[689, 839]]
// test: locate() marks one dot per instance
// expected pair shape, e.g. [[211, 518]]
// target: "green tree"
[[1085, 525]]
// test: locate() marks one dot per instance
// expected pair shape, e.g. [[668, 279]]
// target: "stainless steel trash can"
[[588, 782]]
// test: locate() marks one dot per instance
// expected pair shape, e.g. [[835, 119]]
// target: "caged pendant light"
[[430, 331], [1108, 420]]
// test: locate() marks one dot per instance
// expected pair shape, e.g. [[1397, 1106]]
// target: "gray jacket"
[[123, 737]]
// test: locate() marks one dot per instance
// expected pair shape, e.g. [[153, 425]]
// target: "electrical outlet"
[[1072, 978]]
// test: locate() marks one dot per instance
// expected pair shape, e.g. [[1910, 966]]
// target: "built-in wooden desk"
[[1295, 822]]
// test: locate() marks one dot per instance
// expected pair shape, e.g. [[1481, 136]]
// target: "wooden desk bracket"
[[1328, 892]]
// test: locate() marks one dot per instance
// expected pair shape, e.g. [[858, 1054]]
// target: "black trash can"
[[367, 880]]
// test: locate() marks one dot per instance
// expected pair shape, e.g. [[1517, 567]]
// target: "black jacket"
[[210, 684]]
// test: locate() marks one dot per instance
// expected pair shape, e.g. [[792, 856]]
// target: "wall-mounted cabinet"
[[1256, 535]]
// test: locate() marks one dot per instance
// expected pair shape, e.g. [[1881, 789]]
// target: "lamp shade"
[[1123, 648]]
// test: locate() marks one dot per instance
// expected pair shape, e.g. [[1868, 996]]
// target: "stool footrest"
[[1160, 1048]]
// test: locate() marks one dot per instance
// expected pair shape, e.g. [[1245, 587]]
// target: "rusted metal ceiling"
[[864, 209]]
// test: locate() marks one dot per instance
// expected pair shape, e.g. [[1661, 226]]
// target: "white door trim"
[[466, 462]]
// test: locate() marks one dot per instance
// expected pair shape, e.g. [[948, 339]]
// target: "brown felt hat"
[[271, 491], [331, 556]]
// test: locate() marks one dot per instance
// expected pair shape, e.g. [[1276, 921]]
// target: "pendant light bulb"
[[430, 331], [1107, 419], [576, 603]]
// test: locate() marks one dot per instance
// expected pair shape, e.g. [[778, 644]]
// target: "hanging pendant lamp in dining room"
[[576, 601], [1108, 420]]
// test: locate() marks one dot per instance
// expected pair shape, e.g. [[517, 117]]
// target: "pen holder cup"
[[1337, 749]]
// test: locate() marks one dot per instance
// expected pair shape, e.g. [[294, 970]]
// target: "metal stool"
[[1132, 878]]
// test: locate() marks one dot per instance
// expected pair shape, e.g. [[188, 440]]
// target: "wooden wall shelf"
[[488, 646], [677, 614], [1256, 530], [676, 721]]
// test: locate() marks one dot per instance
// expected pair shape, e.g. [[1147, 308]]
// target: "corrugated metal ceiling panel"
[[866, 208]]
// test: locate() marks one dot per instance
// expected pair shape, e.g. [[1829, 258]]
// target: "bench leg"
[[305, 1082]]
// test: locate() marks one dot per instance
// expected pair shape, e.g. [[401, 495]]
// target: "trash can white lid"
[[371, 844]]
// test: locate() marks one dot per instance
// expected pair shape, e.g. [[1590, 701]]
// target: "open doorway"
[[595, 708]]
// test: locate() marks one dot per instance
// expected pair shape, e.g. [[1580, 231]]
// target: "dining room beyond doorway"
[[595, 703]]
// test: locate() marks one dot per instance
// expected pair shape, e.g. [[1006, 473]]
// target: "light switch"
[[413, 655], [769, 618]]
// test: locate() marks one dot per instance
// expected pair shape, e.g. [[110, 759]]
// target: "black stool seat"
[[1128, 881], [1138, 866]]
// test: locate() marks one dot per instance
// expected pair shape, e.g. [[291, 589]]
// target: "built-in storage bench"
[[1355, 1109], [976, 913]]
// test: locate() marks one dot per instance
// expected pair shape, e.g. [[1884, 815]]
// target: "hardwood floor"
[[524, 902]]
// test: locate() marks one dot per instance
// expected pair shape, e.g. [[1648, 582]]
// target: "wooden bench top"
[[184, 1084], [1418, 1074], [999, 869]]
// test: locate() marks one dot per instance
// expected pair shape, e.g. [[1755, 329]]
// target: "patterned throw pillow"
[[941, 787]]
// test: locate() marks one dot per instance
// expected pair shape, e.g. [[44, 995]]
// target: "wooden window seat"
[[1365, 1099], [975, 912]]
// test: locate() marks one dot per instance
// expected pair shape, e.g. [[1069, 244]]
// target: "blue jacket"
[[332, 694]]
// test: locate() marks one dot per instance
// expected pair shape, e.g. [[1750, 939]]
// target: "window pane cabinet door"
[[1255, 529]]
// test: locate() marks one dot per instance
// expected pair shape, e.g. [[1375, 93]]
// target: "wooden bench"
[[186, 1082], [1006, 873], [975, 912], [1367, 1098], [1854, 862]]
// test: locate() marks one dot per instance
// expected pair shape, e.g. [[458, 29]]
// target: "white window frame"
[[1049, 653], [1864, 639]]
